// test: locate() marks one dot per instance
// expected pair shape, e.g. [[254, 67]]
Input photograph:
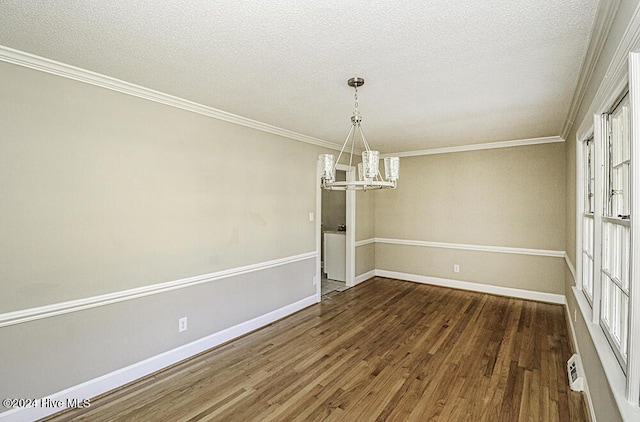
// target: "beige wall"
[[509, 197], [500, 197], [365, 259], [104, 191], [525, 272], [365, 215]]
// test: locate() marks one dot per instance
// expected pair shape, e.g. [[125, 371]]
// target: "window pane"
[[589, 179], [624, 257], [615, 255], [587, 256], [606, 300], [624, 322], [588, 184], [587, 273]]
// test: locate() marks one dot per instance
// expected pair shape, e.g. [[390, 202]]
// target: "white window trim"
[[633, 361], [625, 389]]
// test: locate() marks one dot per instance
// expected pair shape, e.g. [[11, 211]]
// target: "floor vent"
[[575, 373]]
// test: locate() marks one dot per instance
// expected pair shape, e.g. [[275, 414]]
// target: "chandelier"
[[369, 176]]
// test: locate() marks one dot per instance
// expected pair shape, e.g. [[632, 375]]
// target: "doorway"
[[335, 236]]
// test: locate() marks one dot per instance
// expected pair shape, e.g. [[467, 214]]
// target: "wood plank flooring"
[[386, 350]]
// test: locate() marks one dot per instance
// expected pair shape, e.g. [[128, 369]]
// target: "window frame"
[[625, 350], [615, 227]]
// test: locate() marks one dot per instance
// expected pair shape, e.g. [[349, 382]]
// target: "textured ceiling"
[[438, 72]]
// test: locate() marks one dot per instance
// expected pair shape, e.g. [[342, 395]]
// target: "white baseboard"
[[476, 287], [574, 341], [120, 377], [364, 277]]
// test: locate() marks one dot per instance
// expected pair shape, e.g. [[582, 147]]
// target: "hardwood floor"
[[384, 350]]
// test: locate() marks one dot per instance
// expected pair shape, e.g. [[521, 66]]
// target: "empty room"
[[300, 211]]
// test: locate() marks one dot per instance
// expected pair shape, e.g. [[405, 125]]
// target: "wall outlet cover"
[[182, 324]]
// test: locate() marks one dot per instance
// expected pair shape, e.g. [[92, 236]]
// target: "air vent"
[[575, 373]]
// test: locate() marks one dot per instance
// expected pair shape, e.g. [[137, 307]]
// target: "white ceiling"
[[438, 73]]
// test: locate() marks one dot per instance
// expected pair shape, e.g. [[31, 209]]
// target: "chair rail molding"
[[468, 247], [47, 311]]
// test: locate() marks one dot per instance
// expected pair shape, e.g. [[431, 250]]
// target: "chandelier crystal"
[[369, 176]]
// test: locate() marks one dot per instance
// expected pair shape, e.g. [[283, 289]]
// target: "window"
[[616, 224], [608, 155], [588, 220]]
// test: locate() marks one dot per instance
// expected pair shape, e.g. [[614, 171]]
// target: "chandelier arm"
[[353, 143], [364, 139], [335, 165]]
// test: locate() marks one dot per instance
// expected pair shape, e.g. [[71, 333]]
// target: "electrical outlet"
[[456, 268], [575, 315], [311, 216], [182, 324], [315, 279]]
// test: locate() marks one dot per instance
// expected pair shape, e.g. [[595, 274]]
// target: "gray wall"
[[51, 354], [104, 191]]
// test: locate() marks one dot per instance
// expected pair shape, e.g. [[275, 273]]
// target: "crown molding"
[[53, 67], [616, 78], [476, 147], [605, 15]]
